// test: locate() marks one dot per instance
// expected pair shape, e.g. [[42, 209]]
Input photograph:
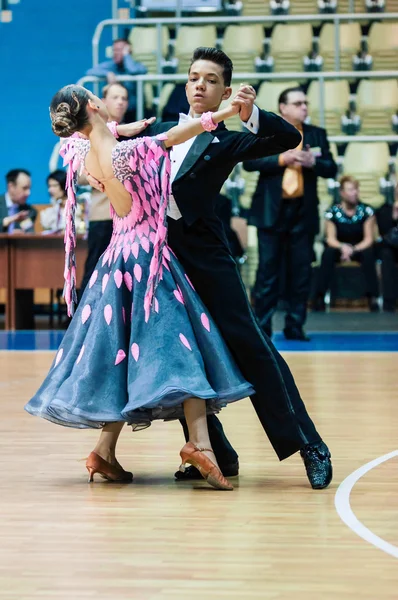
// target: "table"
[[33, 261]]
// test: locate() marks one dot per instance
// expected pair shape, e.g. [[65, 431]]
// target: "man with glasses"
[[285, 212]]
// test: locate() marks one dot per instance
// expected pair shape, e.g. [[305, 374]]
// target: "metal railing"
[[243, 77], [266, 20]]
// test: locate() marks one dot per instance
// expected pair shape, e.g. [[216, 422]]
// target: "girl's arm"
[[185, 131]]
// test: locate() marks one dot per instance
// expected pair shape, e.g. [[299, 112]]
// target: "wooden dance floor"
[[271, 538]]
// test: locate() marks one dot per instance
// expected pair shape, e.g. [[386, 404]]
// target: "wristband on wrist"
[[206, 120]]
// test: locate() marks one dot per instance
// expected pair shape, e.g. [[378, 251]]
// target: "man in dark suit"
[[15, 213], [17, 217], [200, 166], [285, 212]]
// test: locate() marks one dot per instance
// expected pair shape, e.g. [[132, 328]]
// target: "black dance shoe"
[[296, 333], [318, 464], [191, 473]]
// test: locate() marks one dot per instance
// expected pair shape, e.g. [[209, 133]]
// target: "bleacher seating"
[[368, 162], [383, 45], [336, 98], [350, 42], [290, 43], [377, 101], [243, 43], [269, 92], [189, 37], [144, 41]]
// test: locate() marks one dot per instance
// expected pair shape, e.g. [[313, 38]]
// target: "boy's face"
[[205, 88]]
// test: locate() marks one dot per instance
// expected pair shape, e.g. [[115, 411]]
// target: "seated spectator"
[[16, 216], [53, 218], [121, 64], [349, 236], [387, 221]]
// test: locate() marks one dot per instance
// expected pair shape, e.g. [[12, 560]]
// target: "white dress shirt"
[[179, 152]]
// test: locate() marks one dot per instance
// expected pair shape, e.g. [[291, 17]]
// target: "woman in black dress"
[[349, 236]]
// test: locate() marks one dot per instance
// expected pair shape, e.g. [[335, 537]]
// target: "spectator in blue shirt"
[[121, 64]]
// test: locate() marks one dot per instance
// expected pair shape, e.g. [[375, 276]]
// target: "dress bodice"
[[137, 164]]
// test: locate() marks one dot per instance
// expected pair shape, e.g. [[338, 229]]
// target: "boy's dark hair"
[[283, 97], [216, 56], [12, 175]]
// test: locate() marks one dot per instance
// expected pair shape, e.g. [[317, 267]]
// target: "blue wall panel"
[[47, 45]]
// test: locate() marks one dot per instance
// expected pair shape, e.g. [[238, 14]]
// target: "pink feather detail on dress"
[[156, 304], [93, 279], [58, 357], [145, 228], [105, 257], [126, 252], [135, 249], [117, 253], [185, 341], [205, 321], [179, 296], [166, 253], [135, 351], [118, 277], [146, 205], [165, 264], [105, 280], [137, 272], [120, 356], [108, 313], [80, 354], [145, 244], [128, 280], [86, 312], [189, 281], [152, 222]]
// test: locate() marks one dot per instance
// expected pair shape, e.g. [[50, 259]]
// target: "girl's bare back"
[[100, 166]]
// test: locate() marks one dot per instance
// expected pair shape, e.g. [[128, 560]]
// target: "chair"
[[144, 41], [190, 37], [368, 162], [350, 43], [289, 45], [383, 45], [269, 92], [377, 101], [243, 43], [336, 103], [303, 7], [255, 8]]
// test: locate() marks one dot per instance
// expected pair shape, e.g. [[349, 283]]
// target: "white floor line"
[[344, 510]]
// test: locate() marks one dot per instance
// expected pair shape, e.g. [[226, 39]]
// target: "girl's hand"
[[133, 129]]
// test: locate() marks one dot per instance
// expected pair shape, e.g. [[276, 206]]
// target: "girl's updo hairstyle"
[[68, 110]]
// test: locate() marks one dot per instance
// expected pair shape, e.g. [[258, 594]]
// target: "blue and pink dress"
[[141, 341]]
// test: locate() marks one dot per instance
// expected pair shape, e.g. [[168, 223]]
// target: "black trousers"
[[389, 260], [290, 241], [331, 256], [203, 251], [99, 237]]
